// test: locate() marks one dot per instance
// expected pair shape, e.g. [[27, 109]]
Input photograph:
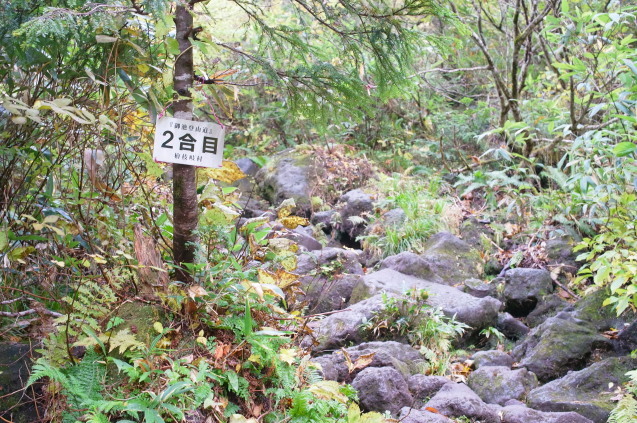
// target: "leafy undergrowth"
[[222, 349]]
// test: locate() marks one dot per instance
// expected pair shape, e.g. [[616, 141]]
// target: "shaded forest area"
[[485, 147]]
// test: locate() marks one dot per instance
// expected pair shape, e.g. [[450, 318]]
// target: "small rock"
[[252, 207], [303, 239], [287, 176], [413, 415], [401, 357], [558, 345], [382, 388], [356, 204], [423, 387], [519, 413], [250, 168], [457, 400], [247, 166], [452, 259], [409, 264], [524, 288], [393, 217], [559, 252], [323, 219], [511, 327], [478, 288], [492, 358], [586, 391], [497, 385]]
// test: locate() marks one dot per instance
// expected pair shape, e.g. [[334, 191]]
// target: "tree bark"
[[185, 206]]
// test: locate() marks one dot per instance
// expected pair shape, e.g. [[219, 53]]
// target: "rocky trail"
[[565, 360], [556, 361]]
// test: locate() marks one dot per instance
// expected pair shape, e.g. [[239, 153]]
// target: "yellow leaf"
[[202, 340], [328, 390], [159, 328], [229, 172], [238, 418], [285, 208], [287, 355], [280, 278], [289, 262], [291, 222], [51, 219], [360, 363]]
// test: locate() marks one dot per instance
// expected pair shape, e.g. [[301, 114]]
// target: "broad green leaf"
[[624, 149]]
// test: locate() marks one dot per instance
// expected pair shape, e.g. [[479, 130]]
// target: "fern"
[[625, 411]]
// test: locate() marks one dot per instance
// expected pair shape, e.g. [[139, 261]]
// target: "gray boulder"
[[355, 204], [250, 168], [287, 175], [457, 400], [523, 414], [558, 345], [452, 259], [511, 327], [587, 391], [524, 288], [382, 388], [410, 264], [413, 415], [497, 385], [329, 261], [492, 358], [478, 313], [401, 357], [559, 252], [342, 328], [247, 166], [423, 387]]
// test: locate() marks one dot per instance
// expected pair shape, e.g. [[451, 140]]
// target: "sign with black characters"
[[188, 142]]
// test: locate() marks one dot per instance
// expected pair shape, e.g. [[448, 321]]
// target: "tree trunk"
[[185, 207]]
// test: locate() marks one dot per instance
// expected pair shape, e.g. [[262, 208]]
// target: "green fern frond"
[[625, 411]]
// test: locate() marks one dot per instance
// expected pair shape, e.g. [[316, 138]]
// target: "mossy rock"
[[586, 391]]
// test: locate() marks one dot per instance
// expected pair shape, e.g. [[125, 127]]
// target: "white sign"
[[188, 142]]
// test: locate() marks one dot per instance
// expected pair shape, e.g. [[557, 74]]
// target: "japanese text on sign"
[[188, 142]]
